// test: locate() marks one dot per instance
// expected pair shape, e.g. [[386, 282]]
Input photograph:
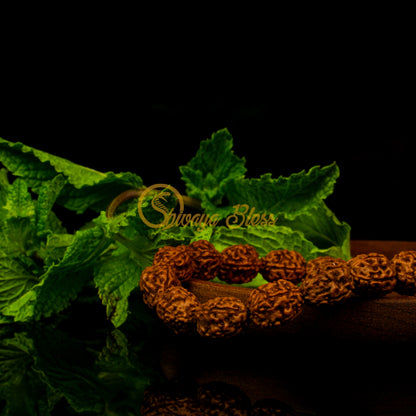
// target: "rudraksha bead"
[[177, 308], [240, 264], [179, 258], [207, 259], [405, 263], [221, 317], [272, 304], [373, 274], [328, 281], [283, 264], [154, 280]]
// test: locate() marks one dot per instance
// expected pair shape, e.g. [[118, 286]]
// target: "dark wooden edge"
[[388, 248]]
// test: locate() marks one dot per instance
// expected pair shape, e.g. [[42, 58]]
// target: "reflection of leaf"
[[65, 365], [44, 366], [126, 370], [20, 388]]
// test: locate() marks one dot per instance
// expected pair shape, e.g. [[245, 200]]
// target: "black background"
[[144, 106], [116, 100], [370, 136]]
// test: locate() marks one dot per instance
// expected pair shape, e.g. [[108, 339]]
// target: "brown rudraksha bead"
[[271, 407], [221, 317], [373, 274], [405, 264], [272, 304], [179, 258], [170, 398], [177, 308], [154, 280], [327, 282], [240, 264], [207, 259], [219, 398], [319, 264], [283, 264]]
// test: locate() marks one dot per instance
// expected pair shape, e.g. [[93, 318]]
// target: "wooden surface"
[[388, 248], [355, 359], [390, 318]]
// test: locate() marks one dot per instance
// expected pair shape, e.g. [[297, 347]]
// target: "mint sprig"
[[44, 268]]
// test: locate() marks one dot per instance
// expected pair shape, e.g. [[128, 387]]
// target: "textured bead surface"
[[177, 308], [274, 303], [207, 259], [219, 398], [221, 317], [283, 264], [178, 258], [405, 264], [373, 274], [154, 280], [240, 264], [328, 281]]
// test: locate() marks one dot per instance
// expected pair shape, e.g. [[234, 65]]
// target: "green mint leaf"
[[285, 197], [16, 237], [45, 221], [19, 203], [23, 223], [264, 239], [4, 187], [16, 279], [213, 166], [116, 277], [61, 283], [55, 247], [85, 187], [322, 227]]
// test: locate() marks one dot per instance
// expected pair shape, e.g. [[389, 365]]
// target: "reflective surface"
[[75, 364]]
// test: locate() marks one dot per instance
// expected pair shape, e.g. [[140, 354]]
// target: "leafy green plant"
[[44, 267]]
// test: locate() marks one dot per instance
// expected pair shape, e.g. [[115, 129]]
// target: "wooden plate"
[[390, 318]]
